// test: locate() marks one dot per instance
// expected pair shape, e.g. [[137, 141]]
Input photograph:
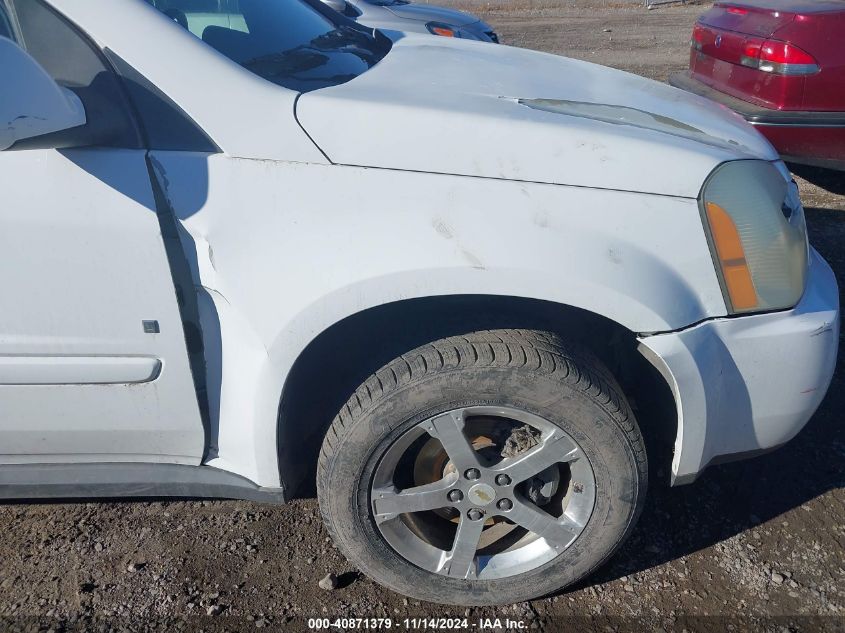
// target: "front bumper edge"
[[747, 384]]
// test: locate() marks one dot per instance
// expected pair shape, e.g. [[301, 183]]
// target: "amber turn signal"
[[731, 255], [442, 30]]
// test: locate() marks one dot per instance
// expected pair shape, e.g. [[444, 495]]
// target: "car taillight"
[[751, 53], [697, 41], [780, 58]]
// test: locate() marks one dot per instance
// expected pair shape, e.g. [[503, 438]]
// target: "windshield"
[[292, 43]]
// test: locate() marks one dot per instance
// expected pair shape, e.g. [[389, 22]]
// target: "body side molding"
[[78, 370]]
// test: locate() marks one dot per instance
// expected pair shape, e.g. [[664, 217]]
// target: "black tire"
[[530, 370]]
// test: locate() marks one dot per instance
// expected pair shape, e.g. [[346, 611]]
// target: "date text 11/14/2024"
[[416, 624]]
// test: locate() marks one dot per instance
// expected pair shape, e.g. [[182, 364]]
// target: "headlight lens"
[[758, 237]]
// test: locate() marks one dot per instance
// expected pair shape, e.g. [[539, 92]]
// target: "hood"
[[429, 13], [466, 108]]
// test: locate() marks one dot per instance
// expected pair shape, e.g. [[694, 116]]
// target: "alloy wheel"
[[482, 492]]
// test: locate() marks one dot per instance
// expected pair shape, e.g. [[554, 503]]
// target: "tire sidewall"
[[345, 491]]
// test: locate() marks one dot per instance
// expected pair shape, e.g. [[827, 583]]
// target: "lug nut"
[[503, 480], [455, 495], [504, 504], [472, 473], [474, 514]]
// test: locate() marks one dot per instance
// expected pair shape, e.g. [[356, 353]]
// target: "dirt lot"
[[750, 545]]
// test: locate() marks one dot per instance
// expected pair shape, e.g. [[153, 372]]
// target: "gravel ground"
[[753, 545]]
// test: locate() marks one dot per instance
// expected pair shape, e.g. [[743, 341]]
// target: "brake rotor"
[[432, 464], [494, 442]]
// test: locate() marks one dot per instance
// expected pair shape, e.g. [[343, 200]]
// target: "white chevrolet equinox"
[[465, 275]]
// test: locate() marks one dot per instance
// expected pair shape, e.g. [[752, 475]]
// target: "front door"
[[93, 360]]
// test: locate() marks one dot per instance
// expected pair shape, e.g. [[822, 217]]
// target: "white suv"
[[229, 237]]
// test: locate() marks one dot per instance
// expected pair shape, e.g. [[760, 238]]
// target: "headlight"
[[755, 225]]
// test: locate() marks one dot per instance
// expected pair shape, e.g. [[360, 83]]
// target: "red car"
[[781, 65]]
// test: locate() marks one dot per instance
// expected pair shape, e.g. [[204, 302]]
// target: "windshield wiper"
[[292, 61], [309, 56]]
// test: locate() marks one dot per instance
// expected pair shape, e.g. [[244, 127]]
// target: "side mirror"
[[337, 5], [32, 104]]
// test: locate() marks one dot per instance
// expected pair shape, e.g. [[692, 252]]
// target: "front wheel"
[[485, 469]]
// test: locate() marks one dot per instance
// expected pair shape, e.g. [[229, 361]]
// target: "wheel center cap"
[[481, 494]]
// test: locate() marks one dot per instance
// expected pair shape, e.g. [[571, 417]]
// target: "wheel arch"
[[340, 357]]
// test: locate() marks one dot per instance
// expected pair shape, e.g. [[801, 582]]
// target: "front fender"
[[290, 249]]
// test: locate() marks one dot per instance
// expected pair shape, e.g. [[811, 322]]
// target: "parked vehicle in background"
[[781, 65], [416, 17], [448, 268]]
